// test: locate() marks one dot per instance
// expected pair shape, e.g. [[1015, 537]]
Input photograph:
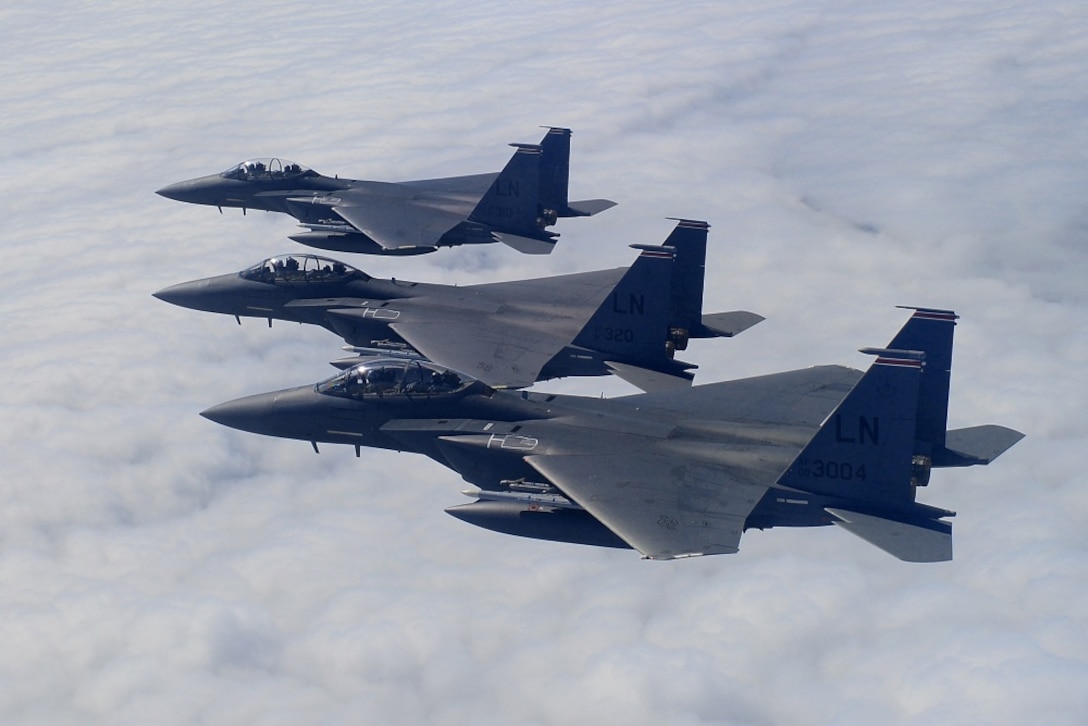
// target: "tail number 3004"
[[822, 469]]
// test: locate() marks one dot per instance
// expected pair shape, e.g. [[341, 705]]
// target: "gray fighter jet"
[[627, 321], [514, 206], [670, 475]]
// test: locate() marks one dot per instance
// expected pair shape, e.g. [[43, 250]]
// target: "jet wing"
[[803, 398], [665, 510], [501, 343], [499, 355], [659, 508], [474, 185], [396, 221], [588, 289]]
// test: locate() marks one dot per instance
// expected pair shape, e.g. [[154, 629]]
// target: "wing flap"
[[661, 509]]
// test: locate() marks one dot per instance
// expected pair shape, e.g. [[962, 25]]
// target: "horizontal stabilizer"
[[589, 207], [649, 380], [975, 445], [917, 542], [526, 245], [726, 325]]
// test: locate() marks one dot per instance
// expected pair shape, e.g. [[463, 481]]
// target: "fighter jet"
[[514, 206], [626, 321], [670, 475]]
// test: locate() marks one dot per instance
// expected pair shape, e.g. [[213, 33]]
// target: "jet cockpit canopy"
[[394, 377], [261, 169], [305, 268]]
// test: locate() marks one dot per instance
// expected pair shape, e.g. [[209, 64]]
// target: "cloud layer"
[[850, 157]]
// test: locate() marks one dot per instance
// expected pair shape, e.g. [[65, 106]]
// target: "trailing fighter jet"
[[627, 321], [670, 475], [514, 206]]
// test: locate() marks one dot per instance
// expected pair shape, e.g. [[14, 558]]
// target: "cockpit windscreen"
[[258, 169], [305, 268], [392, 377]]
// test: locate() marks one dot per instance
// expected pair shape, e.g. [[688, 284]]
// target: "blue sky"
[[850, 157]]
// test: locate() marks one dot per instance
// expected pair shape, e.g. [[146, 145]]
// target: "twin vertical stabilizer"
[[879, 445]]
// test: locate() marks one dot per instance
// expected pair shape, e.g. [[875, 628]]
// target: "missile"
[[529, 499]]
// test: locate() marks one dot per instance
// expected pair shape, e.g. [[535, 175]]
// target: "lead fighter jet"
[[514, 206], [627, 321], [669, 475]]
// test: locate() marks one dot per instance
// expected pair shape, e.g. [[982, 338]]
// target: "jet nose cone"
[[295, 413], [246, 414], [211, 189], [190, 295], [180, 192]]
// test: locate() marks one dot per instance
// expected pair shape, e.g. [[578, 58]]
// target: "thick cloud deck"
[[850, 157]]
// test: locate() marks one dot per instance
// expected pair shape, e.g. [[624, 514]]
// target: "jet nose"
[[192, 295], [295, 413], [251, 413], [211, 189], [180, 192]]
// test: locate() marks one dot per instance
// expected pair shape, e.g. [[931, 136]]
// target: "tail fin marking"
[[632, 322], [510, 203], [864, 450]]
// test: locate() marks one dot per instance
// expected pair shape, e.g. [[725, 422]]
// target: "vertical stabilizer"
[[864, 450], [510, 204], [554, 171], [930, 331], [688, 238], [632, 322]]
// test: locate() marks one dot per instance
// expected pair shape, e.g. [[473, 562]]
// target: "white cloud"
[[849, 156]]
